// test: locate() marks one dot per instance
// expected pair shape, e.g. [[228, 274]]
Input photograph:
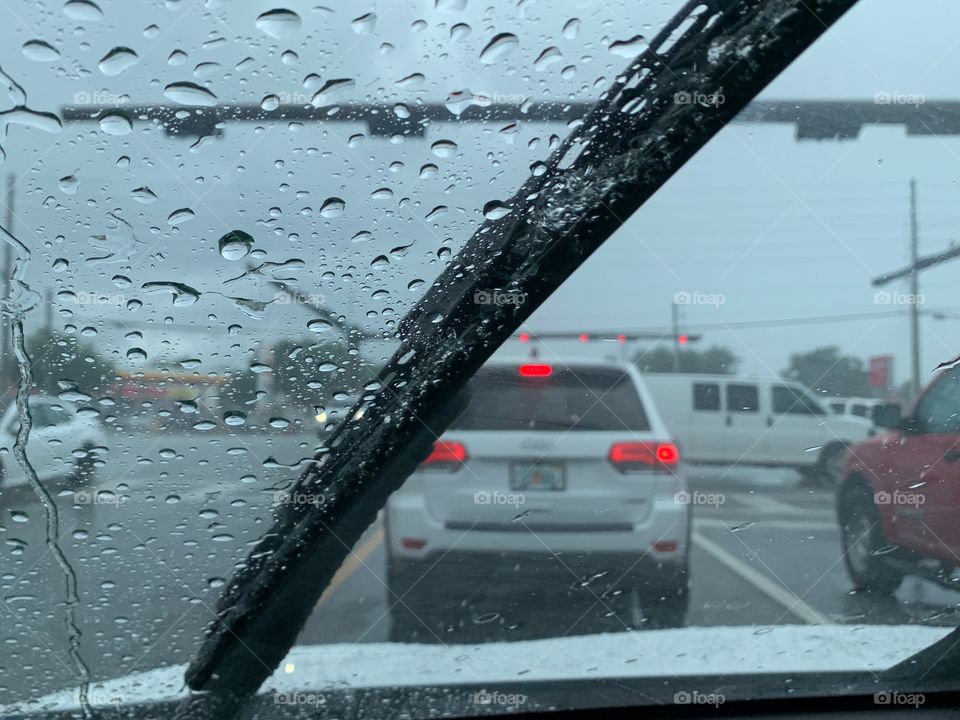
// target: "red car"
[[900, 494]]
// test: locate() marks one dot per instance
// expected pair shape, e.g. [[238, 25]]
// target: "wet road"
[[153, 538]]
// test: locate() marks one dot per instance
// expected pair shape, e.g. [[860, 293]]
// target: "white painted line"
[[812, 525], [768, 505], [776, 592]]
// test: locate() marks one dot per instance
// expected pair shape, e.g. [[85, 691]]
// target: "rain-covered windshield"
[[215, 216]]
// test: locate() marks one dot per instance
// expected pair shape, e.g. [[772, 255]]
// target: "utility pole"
[[6, 343], [675, 322], [914, 294]]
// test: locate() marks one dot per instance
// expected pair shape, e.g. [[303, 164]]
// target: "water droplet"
[[278, 23], [289, 57], [143, 195], [547, 58], [320, 326], [494, 210], [176, 58], [501, 45], [383, 193], [234, 418], [450, 5], [428, 171], [82, 10], [571, 27], [18, 516], [117, 60], [60, 264], [188, 93], [136, 354], [415, 285], [279, 422], [380, 261], [69, 184], [235, 245], [444, 148], [629, 48], [115, 124], [172, 499], [459, 31], [40, 51], [364, 24], [411, 81], [178, 217], [332, 207], [204, 425], [270, 103]]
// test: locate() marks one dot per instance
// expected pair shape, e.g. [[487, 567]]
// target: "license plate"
[[537, 476]]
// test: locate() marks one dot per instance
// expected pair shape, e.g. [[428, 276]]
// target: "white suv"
[[62, 443], [555, 479]]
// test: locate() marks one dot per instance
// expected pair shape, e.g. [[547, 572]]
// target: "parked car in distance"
[[63, 442], [898, 502], [852, 406], [553, 474], [724, 420]]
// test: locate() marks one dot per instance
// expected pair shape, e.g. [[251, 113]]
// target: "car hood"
[[732, 652]]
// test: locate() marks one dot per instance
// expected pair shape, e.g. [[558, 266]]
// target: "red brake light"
[[446, 454], [668, 453], [644, 456], [539, 370]]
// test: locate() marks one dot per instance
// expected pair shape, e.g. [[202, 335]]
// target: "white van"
[[855, 406], [725, 420]]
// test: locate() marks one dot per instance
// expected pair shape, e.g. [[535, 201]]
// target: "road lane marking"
[[354, 562], [768, 505], [776, 592]]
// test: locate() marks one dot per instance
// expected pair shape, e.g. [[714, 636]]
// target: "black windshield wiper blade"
[[635, 138]]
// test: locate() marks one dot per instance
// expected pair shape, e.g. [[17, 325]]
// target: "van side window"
[[706, 396], [743, 398], [791, 401]]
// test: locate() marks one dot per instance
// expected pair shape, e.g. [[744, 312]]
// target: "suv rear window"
[[575, 398]]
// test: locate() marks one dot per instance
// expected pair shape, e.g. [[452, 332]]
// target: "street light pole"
[[914, 294]]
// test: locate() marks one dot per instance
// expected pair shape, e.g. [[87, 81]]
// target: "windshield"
[[218, 221]]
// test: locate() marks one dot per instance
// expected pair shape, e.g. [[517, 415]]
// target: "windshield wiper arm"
[[635, 138]]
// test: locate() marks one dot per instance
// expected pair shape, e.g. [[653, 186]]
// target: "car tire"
[[830, 464], [863, 542]]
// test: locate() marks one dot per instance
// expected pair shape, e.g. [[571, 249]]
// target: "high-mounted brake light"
[[447, 454], [536, 370], [655, 456]]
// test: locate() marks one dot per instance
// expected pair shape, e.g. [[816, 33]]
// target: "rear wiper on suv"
[[642, 130]]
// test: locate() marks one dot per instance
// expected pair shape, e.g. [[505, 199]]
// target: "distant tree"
[[826, 370], [56, 357], [714, 360]]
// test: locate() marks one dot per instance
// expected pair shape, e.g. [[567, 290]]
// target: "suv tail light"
[[628, 456], [447, 455]]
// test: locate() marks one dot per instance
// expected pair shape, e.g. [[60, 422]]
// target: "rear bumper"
[[659, 535], [445, 578]]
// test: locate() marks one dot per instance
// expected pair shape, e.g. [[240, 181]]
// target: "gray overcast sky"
[[775, 228]]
